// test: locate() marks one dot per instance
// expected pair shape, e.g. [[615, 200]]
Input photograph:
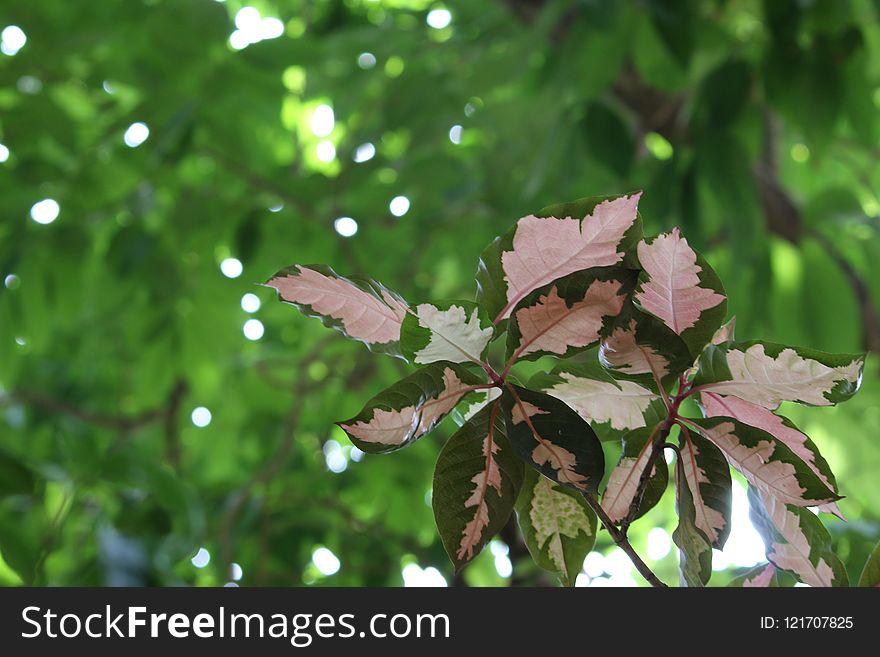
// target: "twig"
[[620, 539], [121, 423]]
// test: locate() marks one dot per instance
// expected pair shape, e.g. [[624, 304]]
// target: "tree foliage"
[[751, 125]]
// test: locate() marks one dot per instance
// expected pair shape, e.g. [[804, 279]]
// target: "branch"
[[121, 423], [619, 537], [658, 439], [274, 464]]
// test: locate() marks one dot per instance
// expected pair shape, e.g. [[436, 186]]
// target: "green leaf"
[[456, 331], [558, 526], [358, 306], [708, 477], [610, 405], [476, 482], [552, 438], [679, 287], [410, 408], [767, 463], [624, 479], [556, 241], [568, 315], [871, 572], [15, 477], [722, 96], [610, 141], [796, 540], [694, 549], [766, 373]]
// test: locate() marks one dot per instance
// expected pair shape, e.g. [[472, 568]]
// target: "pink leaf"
[[623, 484], [763, 579], [672, 291], [621, 351], [545, 249], [394, 427], [758, 416], [490, 476], [361, 315], [552, 326]]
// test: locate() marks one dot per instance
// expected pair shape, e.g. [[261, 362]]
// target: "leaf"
[[359, 307], [567, 316], [640, 346], [767, 463], [457, 331], [767, 374], [708, 477], [555, 242], [16, 478], [725, 333], [558, 526], [779, 427], [600, 398], [761, 576], [476, 483], [871, 572], [410, 408], [552, 438], [624, 480], [679, 288], [796, 540], [694, 549]]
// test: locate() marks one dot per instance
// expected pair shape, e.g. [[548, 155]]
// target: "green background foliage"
[[753, 126]]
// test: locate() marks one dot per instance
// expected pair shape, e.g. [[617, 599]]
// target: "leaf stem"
[[620, 539]]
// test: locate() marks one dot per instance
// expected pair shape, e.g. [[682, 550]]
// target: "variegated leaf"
[[767, 374], [780, 428], [726, 334], [679, 287], [603, 400], [624, 479], [359, 307], [558, 526], [761, 576], [476, 483], [871, 572], [694, 549], [410, 408], [566, 316], [641, 347], [457, 331], [796, 540], [477, 401], [767, 463], [552, 438], [708, 477], [554, 242]]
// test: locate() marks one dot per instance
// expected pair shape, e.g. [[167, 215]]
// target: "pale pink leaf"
[[767, 381], [489, 477], [709, 520], [761, 580], [758, 416], [623, 484], [545, 249], [361, 315], [552, 326], [672, 291], [753, 454], [394, 427], [620, 351], [621, 403]]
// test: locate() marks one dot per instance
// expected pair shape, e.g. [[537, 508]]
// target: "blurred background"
[[164, 420]]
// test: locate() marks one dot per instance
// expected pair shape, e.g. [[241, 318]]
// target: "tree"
[[750, 125], [571, 277]]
